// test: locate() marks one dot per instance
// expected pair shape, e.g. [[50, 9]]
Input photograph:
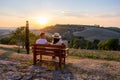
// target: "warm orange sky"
[[14, 13]]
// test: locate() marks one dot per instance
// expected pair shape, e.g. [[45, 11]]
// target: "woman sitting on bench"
[[57, 41]]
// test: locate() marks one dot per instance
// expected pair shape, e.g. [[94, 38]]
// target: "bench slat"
[[46, 45]]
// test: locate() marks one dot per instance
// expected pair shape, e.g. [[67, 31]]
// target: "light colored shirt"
[[41, 41]]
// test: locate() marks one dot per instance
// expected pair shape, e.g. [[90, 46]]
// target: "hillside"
[[17, 66], [4, 32], [86, 31], [97, 33]]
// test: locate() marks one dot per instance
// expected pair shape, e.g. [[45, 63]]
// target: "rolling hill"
[[97, 33], [87, 31], [4, 32]]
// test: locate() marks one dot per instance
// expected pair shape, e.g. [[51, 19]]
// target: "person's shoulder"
[[37, 39], [44, 40], [60, 41]]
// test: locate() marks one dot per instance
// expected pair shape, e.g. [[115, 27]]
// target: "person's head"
[[56, 37], [42, 35]]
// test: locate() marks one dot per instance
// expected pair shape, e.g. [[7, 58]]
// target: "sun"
[[42, 20]]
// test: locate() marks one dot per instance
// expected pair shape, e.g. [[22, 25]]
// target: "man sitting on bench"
[[42, 39]]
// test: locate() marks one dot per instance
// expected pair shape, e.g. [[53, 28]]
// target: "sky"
[[14, 13]]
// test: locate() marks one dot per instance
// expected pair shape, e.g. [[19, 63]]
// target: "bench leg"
[[40, 57], [34, 58], [60, 61], [64, 61]]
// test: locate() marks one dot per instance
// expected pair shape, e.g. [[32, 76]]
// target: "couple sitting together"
[[56, 40]]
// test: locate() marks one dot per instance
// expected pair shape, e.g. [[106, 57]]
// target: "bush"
[[111, 44], [5, 40]]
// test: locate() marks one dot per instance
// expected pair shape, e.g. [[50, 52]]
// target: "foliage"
[[27, 44], [49, 39], [95, 44], [111, 44], [32, 37], [88, 45], [18, 37], [5, 40], [78, 43]]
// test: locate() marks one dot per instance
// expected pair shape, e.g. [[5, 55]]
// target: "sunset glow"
[[42, 20], [50, 12]]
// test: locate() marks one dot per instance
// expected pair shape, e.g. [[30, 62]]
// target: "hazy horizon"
[[42, 13], [31, 27]]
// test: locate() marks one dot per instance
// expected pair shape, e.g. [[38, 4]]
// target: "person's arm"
[[64, 46], [46, 42], [36, 42]]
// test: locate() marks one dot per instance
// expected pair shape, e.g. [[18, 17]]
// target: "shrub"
[[111, 44], [5, 40]]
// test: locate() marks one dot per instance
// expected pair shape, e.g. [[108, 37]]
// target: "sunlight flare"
[[42, 20]]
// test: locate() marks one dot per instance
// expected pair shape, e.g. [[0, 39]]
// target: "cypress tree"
[[27, 37]]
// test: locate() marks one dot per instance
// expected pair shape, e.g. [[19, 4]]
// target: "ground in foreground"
[[14, 66]]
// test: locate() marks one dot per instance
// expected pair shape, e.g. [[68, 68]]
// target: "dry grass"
[[8, 46], [84, 69], [95, 54], [107, 70]]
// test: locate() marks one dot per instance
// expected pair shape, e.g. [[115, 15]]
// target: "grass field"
[[95, 54], [82, 64]]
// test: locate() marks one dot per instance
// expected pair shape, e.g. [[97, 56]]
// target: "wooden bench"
[[49, 50]]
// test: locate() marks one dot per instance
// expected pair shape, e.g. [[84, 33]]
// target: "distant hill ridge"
[[97, 33], [89, 32]]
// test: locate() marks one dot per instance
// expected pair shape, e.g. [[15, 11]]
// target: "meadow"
[[95, 54], [80, 65]]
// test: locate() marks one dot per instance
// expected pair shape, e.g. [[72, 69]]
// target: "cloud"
[[86, 15], [10, 15], [109, 15], [74, 14]]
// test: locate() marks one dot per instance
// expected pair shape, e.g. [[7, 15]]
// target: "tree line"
[[81, 43]]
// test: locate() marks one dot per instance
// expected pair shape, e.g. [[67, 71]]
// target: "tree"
[[101, 45], [82, 43], [95, 43], [70, 44], [75, 43], [27, 38], [88, 45], [111, 44], [78, 42], [18, 36], [5, 40], [32, 37]]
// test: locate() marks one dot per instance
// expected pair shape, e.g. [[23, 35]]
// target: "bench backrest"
[[47, 49]]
